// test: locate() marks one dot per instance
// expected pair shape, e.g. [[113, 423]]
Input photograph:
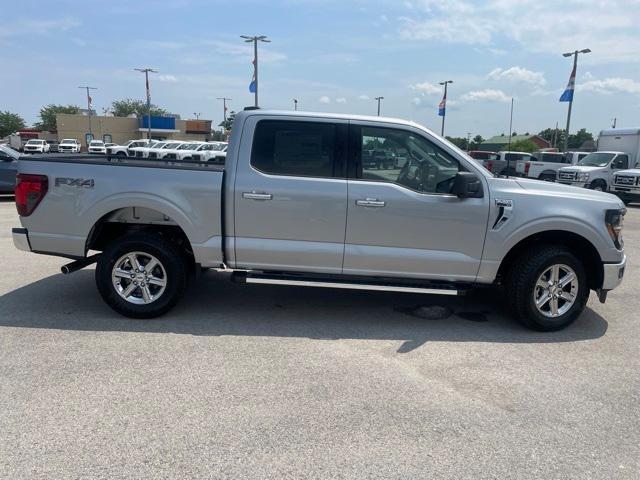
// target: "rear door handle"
[[257, 196], [370, 202]]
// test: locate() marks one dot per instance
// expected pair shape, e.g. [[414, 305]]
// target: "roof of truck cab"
[[339, 116]]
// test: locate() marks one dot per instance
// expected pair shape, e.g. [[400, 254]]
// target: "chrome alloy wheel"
[[555, 291], [139, 278]]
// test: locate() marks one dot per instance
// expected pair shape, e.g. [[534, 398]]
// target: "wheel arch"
[[578, 245]]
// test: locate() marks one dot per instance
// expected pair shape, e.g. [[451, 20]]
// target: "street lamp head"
[[568, 54], [446, 81], [586, 50]]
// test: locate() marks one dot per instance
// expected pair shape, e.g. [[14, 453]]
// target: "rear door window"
[[297, 148]]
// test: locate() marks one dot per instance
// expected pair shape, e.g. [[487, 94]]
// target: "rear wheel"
[[121, 154], [547, 288], [141, 275], [547, 177]]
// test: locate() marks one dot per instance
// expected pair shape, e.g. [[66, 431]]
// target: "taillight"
[[527, 166], [30, 190]]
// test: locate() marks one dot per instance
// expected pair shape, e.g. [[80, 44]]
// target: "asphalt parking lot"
[[279, 382]]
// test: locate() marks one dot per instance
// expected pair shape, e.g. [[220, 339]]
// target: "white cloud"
[[324, 99], [517, 74], [37, 27], [611, 85], [341, 100], [488, 95], [167, 78], [364, 97], [426, 88], [609, 28]]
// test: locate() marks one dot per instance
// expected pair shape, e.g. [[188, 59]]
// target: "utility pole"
[[570, 90], [89, 107], [555, 136], [443, 104], [615, 120], [197, 115], [146, 78], [510, 134], [295, 104], [468, 141], [253, 87], [224, 106], [378, 99]]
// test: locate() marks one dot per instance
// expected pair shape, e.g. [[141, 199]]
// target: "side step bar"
[[441, 289]]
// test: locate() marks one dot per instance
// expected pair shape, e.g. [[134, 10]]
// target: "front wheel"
[[141, 275], [547, 289], [598, 186]]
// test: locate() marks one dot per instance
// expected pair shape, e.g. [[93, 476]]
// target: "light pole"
[[253, 87], [443, 104], [567, 96], [295, 104], [89, 107], [378, 99], [224, 107], [197, 115], [468, 141], [146, 79]]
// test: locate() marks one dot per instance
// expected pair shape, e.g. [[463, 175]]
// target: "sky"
[[333, 56]]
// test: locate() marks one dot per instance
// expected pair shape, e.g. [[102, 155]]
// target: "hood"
[[578, 168], [563, 191], [632, 171]]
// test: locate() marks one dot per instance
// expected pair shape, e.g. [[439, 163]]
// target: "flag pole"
[[566, 136]]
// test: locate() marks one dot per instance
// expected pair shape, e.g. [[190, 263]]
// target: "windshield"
[[188, 146], [35, 142], [68, 140], [96, 143], [171, 145], [597, 159]]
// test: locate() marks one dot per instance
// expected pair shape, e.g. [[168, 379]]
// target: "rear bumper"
[[613, 273], [21, 239]]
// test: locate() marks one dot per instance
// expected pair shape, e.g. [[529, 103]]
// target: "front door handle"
[[370, 202], [257, 196]]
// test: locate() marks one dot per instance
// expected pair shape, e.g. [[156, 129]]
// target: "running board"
[[267, 280]]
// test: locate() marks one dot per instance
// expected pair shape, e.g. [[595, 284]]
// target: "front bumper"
[[628, 191], [574, 183], [613, 273], [21, 239]]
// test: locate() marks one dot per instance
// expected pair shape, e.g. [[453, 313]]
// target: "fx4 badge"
[[75, 182]]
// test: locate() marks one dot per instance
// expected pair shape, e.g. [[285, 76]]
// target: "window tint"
[[306, 149], [402, 157]]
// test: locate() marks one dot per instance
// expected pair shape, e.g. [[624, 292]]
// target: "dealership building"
[[120, 129]]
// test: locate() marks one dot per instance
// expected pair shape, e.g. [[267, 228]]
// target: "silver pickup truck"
[[296, 205]]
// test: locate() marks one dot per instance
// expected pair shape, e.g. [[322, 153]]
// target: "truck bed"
[[86, 189]]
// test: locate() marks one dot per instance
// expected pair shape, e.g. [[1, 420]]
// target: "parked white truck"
[[545, 165], [295, 204], [618, 149]]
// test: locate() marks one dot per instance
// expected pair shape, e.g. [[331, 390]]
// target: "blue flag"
[[442, 107], [252, 86], [567, 95]]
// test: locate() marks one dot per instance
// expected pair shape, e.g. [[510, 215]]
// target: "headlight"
[[583, 177], [614, 219]]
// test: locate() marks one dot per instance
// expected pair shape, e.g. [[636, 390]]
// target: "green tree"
[[477, 140], [48, 115], [554, 136], [576, 140], [128, 106], [522, 146], [458, 142], [228, 124], [10, 123]]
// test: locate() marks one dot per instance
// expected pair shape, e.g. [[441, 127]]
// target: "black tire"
[[171, 259], [121, 154], [521, 286], [545, 177], [599, 185]]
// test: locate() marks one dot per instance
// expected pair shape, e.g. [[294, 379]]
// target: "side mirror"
[[467, 185]]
